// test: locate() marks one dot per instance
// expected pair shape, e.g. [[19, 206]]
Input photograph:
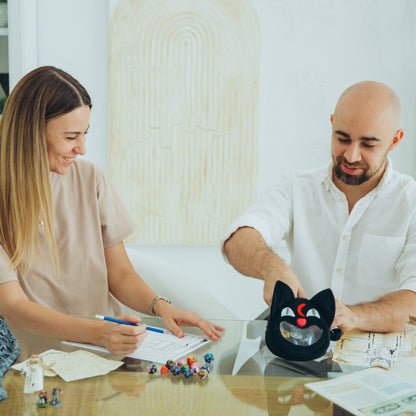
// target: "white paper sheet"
[[373, 349], [374, 391], [83, 364], [159, 348], [73, 365]]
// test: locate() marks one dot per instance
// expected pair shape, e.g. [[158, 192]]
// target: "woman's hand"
[[122, 339], [173, 318]]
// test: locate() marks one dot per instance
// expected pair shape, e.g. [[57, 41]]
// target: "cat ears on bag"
[[324, 301]]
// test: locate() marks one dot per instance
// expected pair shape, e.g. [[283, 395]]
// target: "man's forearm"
[[249, 254], [388, 314]]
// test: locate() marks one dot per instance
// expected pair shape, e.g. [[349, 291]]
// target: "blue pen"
[[118, 321]]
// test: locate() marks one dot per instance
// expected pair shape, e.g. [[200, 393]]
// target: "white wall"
[[72, 36], [311, 51]]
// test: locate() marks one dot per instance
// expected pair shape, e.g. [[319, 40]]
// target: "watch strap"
[[152, 305]]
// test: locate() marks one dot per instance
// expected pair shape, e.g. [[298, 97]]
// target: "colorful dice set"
[[188, 367]]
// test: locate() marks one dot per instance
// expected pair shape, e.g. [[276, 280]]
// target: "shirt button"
[[344, 237], [339, 270], [341, 200]]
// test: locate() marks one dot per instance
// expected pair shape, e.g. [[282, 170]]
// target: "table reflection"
[[246, 378]]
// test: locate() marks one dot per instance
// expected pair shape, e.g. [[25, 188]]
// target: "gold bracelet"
[[152, 305]]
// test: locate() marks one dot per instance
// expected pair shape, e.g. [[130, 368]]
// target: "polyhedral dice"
[[151, 368], [209, 358], [175, 370]]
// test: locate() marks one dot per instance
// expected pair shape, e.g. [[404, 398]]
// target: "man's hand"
[[345, 318], [387, 314], [284, 273], [249, 254]]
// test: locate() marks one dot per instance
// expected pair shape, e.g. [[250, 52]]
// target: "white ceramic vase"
[[3, 14]]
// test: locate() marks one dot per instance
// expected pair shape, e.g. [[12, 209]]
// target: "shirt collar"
[[329, 183]]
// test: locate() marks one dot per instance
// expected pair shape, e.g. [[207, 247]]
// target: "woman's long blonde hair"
[[25, 189]]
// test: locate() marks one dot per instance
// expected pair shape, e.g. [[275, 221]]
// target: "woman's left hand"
[[173, 318]]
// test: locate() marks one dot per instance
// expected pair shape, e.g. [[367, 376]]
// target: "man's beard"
[[348, 179]]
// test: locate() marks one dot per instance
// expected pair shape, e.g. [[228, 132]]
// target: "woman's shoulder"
[[87, 170], [84, 165]]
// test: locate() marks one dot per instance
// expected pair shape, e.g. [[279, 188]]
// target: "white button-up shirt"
[[361, 256]]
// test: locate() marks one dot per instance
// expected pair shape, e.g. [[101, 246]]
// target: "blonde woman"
[[62, 226]]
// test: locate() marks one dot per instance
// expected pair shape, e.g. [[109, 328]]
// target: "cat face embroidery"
[[298, 328]]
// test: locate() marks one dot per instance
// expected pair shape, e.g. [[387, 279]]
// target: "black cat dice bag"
[[298, 328]]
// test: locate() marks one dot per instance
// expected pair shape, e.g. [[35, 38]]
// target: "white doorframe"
[[23, 38]]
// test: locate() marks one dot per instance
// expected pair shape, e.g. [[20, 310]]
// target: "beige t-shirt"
[[88, 217]]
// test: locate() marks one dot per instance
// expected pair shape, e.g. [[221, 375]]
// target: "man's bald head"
[[365, 128], [378, 97]]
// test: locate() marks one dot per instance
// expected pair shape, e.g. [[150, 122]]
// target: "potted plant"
[[3, 13]]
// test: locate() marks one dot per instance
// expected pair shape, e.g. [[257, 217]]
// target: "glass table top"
[[245, 377]]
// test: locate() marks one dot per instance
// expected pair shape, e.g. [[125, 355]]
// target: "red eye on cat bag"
[[298, 328]]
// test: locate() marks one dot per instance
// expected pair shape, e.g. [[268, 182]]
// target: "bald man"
[[350, 226]]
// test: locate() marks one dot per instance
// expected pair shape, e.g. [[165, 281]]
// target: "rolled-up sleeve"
[[271, 216], [116, 223]]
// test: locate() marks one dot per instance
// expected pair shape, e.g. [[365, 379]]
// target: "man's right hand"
[[249, 254], [282, 272]]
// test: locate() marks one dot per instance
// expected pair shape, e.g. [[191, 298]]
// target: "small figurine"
[[164, 369], [55, 397], [189, 359], [151, 368], [187, 373], [181, 363], [43, 399], [169, 364], [175, 370], [209, 358]]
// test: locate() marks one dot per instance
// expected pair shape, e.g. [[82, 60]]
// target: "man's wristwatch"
[[152, 305]]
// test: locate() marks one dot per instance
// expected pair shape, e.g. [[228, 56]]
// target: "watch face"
[[298, 328]]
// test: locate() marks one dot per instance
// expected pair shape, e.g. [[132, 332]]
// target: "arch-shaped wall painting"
[[184, 115]]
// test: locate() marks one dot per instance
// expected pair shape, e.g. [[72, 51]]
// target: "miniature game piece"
[[175, 370], [164, 369], [187, 373], [55, 397], [181, 363], [151, 368], [203, 374], [209, 358], [169, 364], [43, 399]]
